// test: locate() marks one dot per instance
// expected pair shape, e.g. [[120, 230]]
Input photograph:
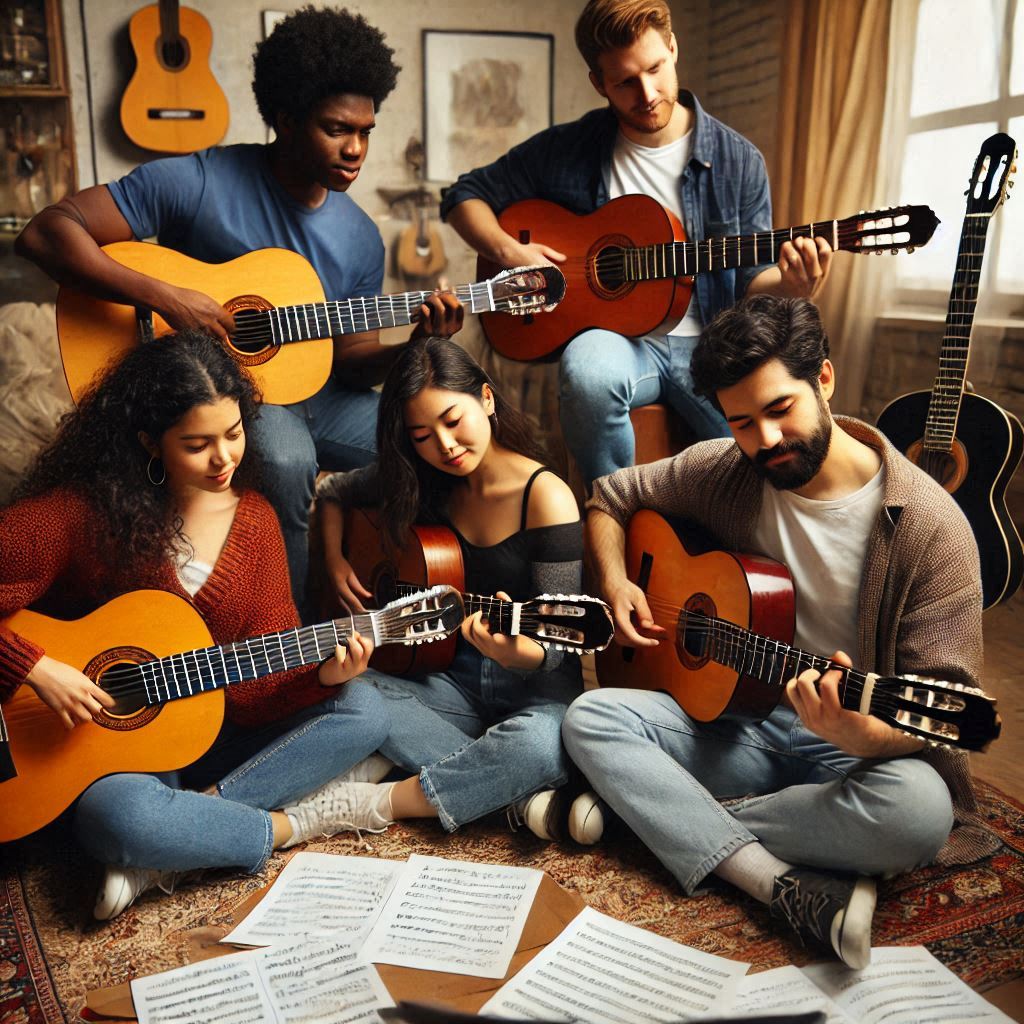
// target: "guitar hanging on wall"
[[967, 443], [173, 103]]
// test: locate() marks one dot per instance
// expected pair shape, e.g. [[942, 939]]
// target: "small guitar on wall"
[[714, 666], [124, 647], [173, 103], [967, 443], [432, 557], [631, 268], [92, 332]]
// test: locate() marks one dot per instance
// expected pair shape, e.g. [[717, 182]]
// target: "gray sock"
[[753, 869]]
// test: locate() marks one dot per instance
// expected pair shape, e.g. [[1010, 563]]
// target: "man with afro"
[[319, 80]]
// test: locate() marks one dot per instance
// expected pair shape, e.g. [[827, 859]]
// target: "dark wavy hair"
[[314, 54], [757, 329], [412, 489], [97, 450]]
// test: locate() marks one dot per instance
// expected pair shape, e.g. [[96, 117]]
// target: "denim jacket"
[[724, 187]]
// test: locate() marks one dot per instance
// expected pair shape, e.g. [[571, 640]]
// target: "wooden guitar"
[[173, 103], [729, 618], [93, 332], [630, 267], [968, 443], [575, 623], [125, 647]]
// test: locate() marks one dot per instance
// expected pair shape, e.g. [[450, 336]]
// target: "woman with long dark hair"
[[145, 486], [485, 734]]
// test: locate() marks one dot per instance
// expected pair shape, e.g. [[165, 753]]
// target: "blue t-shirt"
[[223, 202]]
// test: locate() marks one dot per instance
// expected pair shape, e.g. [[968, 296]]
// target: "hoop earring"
[[149, 471]]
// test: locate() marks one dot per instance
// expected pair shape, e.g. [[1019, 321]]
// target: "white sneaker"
[[586, 818], [541, 813], [122, 886], [338, 807], [370, 769]]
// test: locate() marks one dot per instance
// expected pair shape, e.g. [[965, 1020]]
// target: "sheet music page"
[[320, 894], [605, 972], [307, 981], [455, 916], [781, 991], [903, 985]]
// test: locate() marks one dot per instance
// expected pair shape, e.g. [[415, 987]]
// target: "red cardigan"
[[48, 546]]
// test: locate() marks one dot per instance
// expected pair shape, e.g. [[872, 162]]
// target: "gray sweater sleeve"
[[356, 488]]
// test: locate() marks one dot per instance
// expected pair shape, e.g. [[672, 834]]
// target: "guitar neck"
[[170, 22], [502, 616], [948, 389]]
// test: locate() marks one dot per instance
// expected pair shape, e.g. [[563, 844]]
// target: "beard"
[[806, 458]]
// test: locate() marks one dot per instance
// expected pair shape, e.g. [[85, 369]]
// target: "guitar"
[[714, 666], [173, 103], [432, 557], [968, 443], [124, 647], [633, 241], [92, 332]]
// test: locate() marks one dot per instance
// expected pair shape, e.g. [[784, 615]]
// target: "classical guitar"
[[125, 647], [630, 267], [173, 103], [93, 332], [432, 557], [729, 618], [966, 442]]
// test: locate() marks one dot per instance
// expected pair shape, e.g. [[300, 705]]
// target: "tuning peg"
[[910, 248], [1011, 183], [894, 250]]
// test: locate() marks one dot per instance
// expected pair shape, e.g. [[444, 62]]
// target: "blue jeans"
[[480, 737], [602, 375], [816, 806], [152, 821], [334, 430]]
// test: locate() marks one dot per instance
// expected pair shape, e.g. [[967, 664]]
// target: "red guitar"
[[729, 618], [630, 268]]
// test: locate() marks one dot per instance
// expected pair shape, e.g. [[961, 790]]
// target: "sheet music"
[[781, 991], [454, 916], [606, 972], [320, 894], [300, 983]]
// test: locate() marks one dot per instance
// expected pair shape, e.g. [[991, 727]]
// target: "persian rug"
[[52, 952]]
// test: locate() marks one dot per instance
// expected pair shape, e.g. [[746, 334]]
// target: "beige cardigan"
[[920, 595]]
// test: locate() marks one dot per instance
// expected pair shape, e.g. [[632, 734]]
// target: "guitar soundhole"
[[172, 54], [117, 671], [606, 270], [948, 469], [691, 631], [384, 584], [252, 341]]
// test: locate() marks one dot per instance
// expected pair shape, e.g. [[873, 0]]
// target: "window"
[[966, 83]]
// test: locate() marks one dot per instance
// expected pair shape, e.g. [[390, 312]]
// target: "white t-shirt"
[[656, 172], [193, 574], [823, 544]]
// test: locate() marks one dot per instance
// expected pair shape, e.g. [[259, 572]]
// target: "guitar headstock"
[[943, 714], [567, 622], [900, 227], [990, 179], [527, 290], [422, 617]]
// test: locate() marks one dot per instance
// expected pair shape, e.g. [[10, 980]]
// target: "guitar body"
[[986, 451], [751, 591], [177, 106], [629, 308], [54, 766], [92, 332], [431, 556]]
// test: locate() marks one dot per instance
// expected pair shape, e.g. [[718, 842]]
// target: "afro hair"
[[314, 54]]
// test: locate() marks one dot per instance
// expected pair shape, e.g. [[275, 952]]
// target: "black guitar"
[[967, 443]]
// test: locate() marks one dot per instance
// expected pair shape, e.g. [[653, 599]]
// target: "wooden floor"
[[1003, 764]]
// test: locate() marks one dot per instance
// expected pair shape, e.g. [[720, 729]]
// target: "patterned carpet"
[[52, 952]]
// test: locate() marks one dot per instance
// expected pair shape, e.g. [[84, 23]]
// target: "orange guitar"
[[173, 103], [126, 647], [93, 332], [630, 268], [728, 619]]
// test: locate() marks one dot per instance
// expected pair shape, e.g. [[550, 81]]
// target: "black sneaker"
[[834, 909]]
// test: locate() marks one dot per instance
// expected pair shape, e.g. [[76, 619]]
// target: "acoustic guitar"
[[575, 623], [173, 103], [93, 332], [125, 647], [966, 442], [630, 268], [729, 618]]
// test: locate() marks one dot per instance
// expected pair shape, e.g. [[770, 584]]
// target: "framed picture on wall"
[[483, 92]]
